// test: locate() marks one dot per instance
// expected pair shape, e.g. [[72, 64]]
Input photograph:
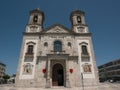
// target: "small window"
[[84, 50], [69, 44], [30, 49], [35, 19], [79, 19], [46, 44]]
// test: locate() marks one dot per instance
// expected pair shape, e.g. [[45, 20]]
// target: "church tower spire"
[[77, 19], [35, 23]]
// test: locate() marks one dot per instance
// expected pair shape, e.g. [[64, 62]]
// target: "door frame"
[[56, 71], [63, 64]]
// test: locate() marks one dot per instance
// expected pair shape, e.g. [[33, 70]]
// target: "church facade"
[[56, 56]]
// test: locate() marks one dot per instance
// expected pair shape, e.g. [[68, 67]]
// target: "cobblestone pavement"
[[101, 86], [109, 86]]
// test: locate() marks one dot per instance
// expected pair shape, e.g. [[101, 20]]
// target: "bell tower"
[[35, 23], [77, 19]]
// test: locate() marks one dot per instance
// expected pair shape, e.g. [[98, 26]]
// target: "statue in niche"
[[27, 69], [87, 68]]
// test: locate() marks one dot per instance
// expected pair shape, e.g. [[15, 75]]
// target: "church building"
[[56, 56]]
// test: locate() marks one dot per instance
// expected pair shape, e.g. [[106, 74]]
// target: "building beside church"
[[56, 56], [110, 71], [2, 70]]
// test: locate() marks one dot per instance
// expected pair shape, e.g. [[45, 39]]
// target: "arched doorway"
[[57, 75]]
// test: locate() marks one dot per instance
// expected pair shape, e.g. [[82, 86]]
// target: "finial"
[[38, 9]]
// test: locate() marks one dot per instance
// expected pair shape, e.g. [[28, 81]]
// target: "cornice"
[[42, 33]]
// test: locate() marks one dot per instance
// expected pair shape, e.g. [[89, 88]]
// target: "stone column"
[[48, 85], [67, 74]]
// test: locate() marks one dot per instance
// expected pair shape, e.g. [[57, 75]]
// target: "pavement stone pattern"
[[102, 86]]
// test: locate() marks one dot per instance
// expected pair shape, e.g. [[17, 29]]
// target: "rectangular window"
[[84, 50], [30, 49]]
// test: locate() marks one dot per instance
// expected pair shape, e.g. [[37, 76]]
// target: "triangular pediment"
[[57, 28]]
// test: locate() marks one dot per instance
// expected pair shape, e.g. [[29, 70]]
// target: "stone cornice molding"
[[75, 34]]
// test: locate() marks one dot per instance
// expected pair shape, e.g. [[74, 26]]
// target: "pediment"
[[57, 28]]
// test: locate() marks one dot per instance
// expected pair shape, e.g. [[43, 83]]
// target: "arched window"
[[84, 50], [79, 19], [30, 49], [69, 45], [45, 44], [57, 46], [35, 19]]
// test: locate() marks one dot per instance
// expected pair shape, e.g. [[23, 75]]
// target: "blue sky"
[[102, 17]]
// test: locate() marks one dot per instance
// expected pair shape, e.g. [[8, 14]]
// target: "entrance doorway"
[[57, 75]]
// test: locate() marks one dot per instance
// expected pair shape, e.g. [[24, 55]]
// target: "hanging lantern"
[[71, 70], [44, 70]]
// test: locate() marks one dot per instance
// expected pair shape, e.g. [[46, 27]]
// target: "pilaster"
[[67, 74], [48, 85]]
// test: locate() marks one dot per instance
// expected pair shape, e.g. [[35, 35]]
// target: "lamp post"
[[82, 80]]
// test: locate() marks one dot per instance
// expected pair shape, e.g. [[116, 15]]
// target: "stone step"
[[53, 88], [103, 86]]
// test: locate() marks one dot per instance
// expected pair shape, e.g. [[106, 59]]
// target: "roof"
[[36, 11], [2, 64], [113, 61], [76, 12], [59, 25]]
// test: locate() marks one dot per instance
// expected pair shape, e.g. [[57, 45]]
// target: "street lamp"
[[82, 80]]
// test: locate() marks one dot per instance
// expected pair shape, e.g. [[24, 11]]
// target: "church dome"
[[36, 11], [76, 12]]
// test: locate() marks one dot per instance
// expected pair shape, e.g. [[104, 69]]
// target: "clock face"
[[33, 29], [80, 29]]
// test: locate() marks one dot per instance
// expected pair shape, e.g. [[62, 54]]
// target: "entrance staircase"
[[103, 86]]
